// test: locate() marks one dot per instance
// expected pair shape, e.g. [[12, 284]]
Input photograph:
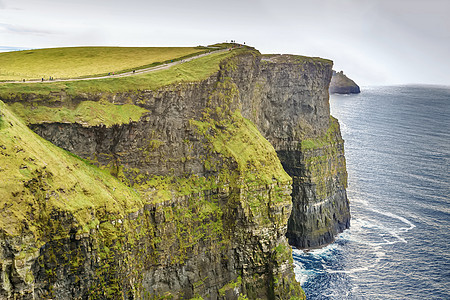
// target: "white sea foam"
[[402, 219], [301, 275], [382, 234]]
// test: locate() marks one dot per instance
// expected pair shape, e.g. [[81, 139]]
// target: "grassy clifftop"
[[191, 71], [84, 61], [26, 96]]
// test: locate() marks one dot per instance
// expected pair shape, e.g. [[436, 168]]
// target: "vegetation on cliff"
[[38, 177], [90, 113]]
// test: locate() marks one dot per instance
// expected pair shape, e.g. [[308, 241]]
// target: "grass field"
[[191, 71], [84, 61]]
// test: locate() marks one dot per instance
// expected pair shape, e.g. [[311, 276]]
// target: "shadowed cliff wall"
[[287, 98]]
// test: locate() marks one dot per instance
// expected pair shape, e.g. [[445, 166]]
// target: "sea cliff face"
[[287, 98], [213, 204]]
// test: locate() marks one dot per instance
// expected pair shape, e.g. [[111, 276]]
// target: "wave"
[[369, 233]]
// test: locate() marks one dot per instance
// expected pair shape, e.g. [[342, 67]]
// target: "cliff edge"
[[199, 183], [341, 84]]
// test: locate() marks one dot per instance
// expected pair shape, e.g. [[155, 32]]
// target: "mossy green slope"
[[37, 176], [86, 113], [83, 61], [323, 159]]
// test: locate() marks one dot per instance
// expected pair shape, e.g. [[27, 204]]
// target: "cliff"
[[341, 84], [190, 198]]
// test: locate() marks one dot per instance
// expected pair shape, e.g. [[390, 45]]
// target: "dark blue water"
[[397, 143]]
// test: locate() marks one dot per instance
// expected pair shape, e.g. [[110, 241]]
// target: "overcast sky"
[[373, 41]]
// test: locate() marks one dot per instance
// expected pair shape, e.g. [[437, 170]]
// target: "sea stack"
[[341, 84]]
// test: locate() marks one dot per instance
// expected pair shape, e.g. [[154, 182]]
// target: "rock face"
[[308, 142], [341, 84], [217, 201]]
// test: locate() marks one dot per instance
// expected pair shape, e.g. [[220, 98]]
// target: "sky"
[[375, 42]]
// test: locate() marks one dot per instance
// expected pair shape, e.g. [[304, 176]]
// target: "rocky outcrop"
[[217, 201], [341, 84], [321, 209]]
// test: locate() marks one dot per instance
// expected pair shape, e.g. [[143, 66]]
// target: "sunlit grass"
[[83, 61], [194, 70]]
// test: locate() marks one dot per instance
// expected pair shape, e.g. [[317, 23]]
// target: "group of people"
[[42, 79], [234, 42]]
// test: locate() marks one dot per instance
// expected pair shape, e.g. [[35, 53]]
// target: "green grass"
[[38, 177], [87, 113], [298, 59], [256, 159], [83, 61], [323, 140], [194, 70], [231, 285]]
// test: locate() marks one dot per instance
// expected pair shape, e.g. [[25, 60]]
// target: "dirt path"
[[131, 73]]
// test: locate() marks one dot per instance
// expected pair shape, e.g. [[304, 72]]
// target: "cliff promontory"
[[341, 84], [189, 182]]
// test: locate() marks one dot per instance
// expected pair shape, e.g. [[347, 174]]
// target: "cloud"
[[2, 5], [11, 28]]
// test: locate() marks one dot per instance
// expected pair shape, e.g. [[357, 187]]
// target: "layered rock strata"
[[217, 201], [287, 98]]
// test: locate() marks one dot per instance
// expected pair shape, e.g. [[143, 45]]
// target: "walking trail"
[[131, 73]]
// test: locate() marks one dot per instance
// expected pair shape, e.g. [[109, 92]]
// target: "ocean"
[[397, 146]]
